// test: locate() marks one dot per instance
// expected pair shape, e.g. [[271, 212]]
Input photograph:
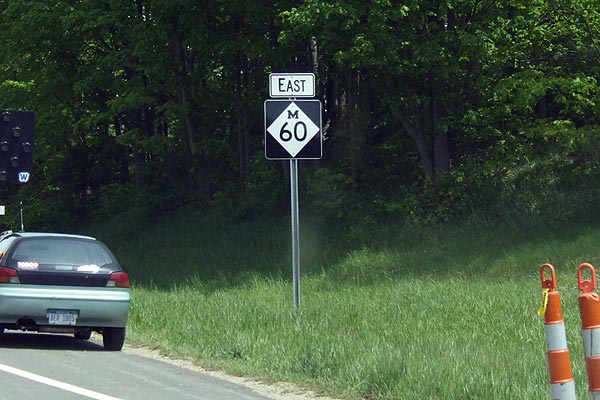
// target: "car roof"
[[44, 234]]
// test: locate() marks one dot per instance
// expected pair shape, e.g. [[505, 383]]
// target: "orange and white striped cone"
[[589, 308], [562, 385]]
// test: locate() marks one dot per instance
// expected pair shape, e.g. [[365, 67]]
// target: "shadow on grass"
[[214, 254]]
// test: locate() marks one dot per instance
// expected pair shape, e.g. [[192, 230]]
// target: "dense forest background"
[[431, 108]]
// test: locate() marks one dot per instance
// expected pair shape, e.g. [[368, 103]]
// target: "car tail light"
[[118, 279], [9, 275]]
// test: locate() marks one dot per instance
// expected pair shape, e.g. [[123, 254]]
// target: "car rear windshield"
[[62, 255]]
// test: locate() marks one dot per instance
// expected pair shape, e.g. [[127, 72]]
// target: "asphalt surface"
[[46, 366]]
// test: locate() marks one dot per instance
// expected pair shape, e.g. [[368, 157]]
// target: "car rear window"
[[62, 254]]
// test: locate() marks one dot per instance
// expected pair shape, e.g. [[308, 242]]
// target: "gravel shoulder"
[[275, 391]]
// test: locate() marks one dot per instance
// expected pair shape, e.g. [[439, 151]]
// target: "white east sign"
[[292, 85]]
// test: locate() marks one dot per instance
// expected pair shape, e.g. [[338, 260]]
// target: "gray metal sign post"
[[295, 232], [293, 132]]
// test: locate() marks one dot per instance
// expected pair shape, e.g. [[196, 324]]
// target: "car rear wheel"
[[83, 335], [113, 338]]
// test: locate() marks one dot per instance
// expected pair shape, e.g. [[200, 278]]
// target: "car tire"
[[113, 338], [84, 335]]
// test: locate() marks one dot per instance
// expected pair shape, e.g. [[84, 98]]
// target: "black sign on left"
[[16, 145]]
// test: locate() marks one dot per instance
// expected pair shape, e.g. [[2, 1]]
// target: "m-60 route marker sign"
[[293, 129]]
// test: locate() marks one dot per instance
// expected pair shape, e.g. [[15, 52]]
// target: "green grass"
[[387, 312]]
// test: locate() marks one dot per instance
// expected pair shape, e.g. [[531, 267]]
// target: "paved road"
[[44, 366]]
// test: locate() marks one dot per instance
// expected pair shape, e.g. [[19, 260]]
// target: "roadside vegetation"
[[461, 150], [409, 311]]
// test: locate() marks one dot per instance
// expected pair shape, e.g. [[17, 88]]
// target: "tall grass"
[[387, 312]]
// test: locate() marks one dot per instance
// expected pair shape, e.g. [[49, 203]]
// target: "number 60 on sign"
[[293, 129]]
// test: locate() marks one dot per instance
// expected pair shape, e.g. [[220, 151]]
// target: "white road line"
[[57, 384]]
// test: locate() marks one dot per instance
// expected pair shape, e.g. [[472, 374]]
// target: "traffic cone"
[[562, 385], [589, 308]]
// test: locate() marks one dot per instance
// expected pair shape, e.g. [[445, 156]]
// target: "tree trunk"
[[354, 123], [441, 154], [199, 167], [242, 119], [416, 133]]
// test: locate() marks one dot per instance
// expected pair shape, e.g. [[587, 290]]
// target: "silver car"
[[61, 283]]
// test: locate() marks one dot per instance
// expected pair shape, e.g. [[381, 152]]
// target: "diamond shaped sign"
[[293, 129]]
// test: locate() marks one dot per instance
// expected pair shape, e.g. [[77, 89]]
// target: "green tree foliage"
[[481, 88], [429, 106]]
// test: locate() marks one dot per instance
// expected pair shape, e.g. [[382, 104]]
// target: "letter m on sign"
[[293, 115]]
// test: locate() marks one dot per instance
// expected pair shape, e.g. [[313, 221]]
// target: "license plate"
[[62, 317]]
